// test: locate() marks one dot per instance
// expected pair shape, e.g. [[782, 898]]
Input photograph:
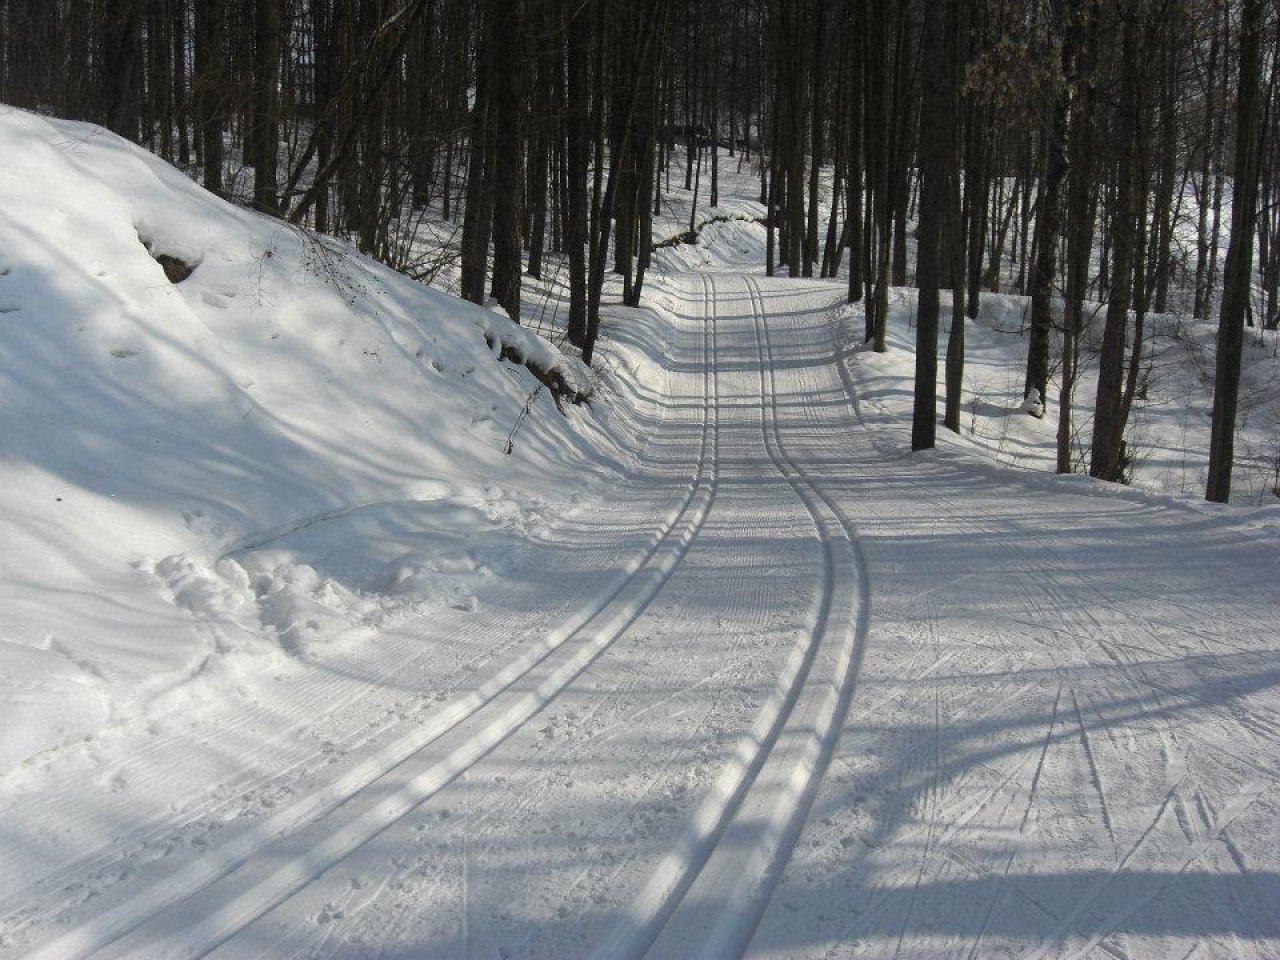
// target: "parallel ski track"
[[328, 691], [543, 671], [332, 691], [779, 802], [1083, 629]]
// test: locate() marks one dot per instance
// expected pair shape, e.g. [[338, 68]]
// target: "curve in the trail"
[[317, 701], [1102, 674], [156, 923], [739, 838]]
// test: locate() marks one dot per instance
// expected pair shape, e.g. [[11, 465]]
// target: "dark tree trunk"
[[647, 174], [1079, 228], [264, 129], [817, 16], [121, 67], [1168, 161], [577, 31], [935, 115], [1239, 266], [477, 215], [181, 95], [853, 177], [1048, 226], [959, 150], [901, 139], [209, 81], [1107, 458], [159, 81], [879, 155], [506, 18], [792, 30], [538, 181]]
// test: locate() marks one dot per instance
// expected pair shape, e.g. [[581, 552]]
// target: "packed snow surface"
[[298, 661]]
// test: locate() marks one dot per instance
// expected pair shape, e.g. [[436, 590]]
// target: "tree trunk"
[[121, 70], [181, 110], [817, 16], [1048, 225], [1079, 228], [264, 131], [1168, 161], [1239, 266], [476, 215], [506, 18], [577, 31], [1107, 459], [208, 81], [935, 115], [854, 151], [902, 129]]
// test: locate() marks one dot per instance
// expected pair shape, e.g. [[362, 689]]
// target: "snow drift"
[[153, 430]]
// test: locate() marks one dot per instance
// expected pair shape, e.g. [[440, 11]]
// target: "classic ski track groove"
[[1085, 631], [218, 796], [104, 856], [755, 887], [740, 784], [131, 917]]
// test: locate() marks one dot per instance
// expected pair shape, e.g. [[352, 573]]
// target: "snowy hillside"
[[165, 444]]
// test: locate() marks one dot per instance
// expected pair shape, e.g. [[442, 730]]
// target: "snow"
[[153, 430], [297, 660], [1168, 436]]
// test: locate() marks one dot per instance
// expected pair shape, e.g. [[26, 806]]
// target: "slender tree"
[[935, 160], [1108, 459], [1238, 280]]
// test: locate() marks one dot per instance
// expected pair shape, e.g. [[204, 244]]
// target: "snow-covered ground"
[[1168, 436], [297, 660], [166, 443]]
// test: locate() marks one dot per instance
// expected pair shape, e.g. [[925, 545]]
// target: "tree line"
[[1074, 151]]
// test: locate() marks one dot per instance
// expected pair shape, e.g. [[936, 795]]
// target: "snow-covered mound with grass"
[[185, 388]]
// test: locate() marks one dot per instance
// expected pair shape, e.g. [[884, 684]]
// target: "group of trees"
[[1073, 150], [1112, 117]]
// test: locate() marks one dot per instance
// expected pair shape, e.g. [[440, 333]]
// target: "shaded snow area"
[[203, 482], [1168, 435], [297, 661]]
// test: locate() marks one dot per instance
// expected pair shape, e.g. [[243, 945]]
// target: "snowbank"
[[155, 431]]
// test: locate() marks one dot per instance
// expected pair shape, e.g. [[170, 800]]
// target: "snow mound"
[[1032, 404], [567, 375], [180, 378]]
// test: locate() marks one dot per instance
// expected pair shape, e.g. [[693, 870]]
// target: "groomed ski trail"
[[842, 700], [266, 863]]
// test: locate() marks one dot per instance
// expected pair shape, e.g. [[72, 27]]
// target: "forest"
[[1077, 152], [637, 480]]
